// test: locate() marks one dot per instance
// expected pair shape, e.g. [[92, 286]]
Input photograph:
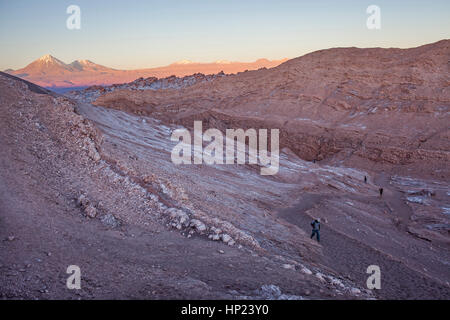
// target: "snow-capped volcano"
[[49, 59], [184, 62]]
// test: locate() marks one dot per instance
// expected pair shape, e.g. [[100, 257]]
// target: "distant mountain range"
[[51, 72]]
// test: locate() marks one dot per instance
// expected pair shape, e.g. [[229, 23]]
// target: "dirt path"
[[350, 259], [393, 199]]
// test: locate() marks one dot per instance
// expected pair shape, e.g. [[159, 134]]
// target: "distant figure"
[[381, 192], [365, 179], [316, 229], [314, 161]]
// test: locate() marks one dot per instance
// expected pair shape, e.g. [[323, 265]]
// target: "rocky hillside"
[[389, 106], [70, 197]]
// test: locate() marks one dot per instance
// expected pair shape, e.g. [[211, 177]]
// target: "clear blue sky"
[[147, 33]]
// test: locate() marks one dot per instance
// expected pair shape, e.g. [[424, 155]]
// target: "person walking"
[[316, 229], [381, 192]]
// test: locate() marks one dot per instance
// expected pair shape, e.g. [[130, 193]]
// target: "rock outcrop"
[[389, 106]]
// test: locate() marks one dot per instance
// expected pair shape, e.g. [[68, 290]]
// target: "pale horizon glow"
[[137, 34]]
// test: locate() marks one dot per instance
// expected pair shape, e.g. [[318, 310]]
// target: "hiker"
[[381, 192], [365, 179], [316, 229]]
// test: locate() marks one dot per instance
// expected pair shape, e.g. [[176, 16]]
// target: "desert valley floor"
[[87, 179]]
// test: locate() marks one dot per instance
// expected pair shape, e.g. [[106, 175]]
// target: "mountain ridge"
[[49, 71]]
